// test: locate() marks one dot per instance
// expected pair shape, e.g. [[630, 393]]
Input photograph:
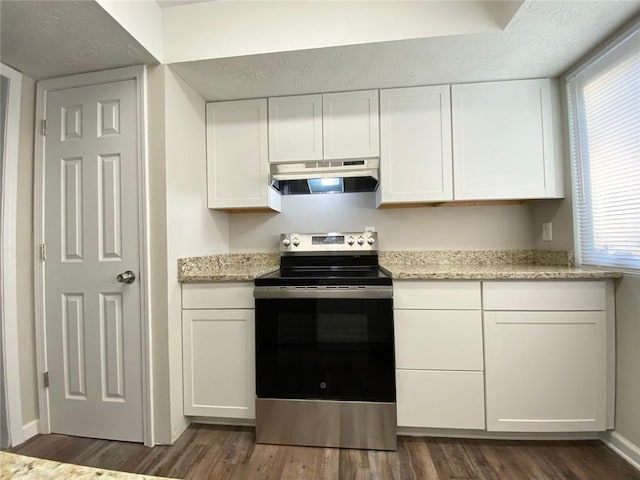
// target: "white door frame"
[[139, 75], [8, 226]]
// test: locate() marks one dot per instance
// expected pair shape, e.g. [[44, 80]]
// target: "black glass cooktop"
[[326, 270]]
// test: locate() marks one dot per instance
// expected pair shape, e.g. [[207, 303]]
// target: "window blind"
[[604, 116]]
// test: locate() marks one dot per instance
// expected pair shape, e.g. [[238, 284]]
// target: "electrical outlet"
[[547, 232]]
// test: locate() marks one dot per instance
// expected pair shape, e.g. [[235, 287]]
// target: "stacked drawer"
[[439, 354]]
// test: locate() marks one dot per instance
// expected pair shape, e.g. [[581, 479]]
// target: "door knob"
[[126, 277]]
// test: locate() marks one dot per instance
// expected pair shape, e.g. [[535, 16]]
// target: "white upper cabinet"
[[295, 128], [237, 156], [415, 145], [329, 126], [350, 123], [503, 141]]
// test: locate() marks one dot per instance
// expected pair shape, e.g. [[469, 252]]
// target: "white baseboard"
[[622, 446], [30, 429]]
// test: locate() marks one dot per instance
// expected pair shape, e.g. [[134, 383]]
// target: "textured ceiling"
[[177, 3], [543, 39], [45, 39]]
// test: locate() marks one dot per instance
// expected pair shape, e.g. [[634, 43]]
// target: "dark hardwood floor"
[[217, 452]]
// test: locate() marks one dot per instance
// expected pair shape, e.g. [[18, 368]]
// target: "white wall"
[[226, 29], [24, 256], [425, 228], [158, 253], [141, 18], [181, 226], [192, 229], [558, 212], [628, 358]]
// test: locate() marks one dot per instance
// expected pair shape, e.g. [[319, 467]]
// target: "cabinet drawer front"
[[219, 295], [547, 295], [438, 339], [440, 399], [457, 294]]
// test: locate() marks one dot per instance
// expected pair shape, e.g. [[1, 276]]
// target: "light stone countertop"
[[495, 272], [226, 268], [415, 265], [15, 467]]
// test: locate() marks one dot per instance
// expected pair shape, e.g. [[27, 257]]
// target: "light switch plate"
[[547, 232]]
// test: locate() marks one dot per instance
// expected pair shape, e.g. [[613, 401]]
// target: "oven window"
[[325, 349]]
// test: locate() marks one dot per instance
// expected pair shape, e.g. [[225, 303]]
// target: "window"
[[604, 115]]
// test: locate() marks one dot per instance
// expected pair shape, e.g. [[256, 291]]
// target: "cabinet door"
[[545, 371], [350, 123], [415, 145], [218, 359], [295, 128], [237, 159], [503, 140]]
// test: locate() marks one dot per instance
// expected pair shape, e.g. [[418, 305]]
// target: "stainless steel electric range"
[[325, 365]]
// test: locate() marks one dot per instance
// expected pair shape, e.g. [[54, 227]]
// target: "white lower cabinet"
[[439, 359], [540, 354], [218, 350], [548, 364]]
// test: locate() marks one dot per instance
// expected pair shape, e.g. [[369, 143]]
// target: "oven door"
[[325, 348]]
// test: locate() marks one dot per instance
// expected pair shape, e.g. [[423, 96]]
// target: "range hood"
[[330, 176]]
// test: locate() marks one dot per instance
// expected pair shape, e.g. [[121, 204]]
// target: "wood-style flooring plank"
[[206, 452], [420, 461], [478, 462]]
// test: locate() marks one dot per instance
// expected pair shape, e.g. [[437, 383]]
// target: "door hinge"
[[44, 127], [43, 252], [46, 379]]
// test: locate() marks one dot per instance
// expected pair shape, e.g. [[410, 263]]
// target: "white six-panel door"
[[93, 324]]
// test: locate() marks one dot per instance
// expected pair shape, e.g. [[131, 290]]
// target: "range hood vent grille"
[[329, 176]]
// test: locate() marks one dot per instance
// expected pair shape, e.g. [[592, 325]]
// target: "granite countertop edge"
[[423, 272], [227, 274], [17, 466], [498, 272]]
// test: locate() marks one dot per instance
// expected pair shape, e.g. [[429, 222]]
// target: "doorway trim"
[[139, 75], [8, 220]]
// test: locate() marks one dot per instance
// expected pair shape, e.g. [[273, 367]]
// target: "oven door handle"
[[349, 292]]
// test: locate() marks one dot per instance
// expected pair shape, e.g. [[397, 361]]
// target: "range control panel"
[[329, 242]]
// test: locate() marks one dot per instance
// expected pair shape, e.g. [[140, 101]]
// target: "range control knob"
[[350, 241], [371, 240], [360, 240], [296, 242], [286, 242]]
